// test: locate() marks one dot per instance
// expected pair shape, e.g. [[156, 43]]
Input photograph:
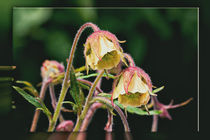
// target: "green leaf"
[[28, 97], [158, 90], [45, 109], [29, 87], [34, 101], [137, 111], [105, 95], [96, 74], [69, 102], [83, 85], [74, 88], [76, 92]]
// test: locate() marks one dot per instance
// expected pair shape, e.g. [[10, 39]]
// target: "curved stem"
[[155, 117], [130, 59], [90, 84], [87, 103], [119, 111], [65, 81], [37, 112], [89, 115]]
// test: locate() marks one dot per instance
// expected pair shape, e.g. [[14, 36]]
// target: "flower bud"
[[50, 69], [133, 87], [102, 51]]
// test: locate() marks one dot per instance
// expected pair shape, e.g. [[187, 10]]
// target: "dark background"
[[162, 41]]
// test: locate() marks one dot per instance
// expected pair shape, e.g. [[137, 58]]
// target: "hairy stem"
[[87, 103], [119, 111], [155, 117], [65, 81], [109, 123], [54, 100], [90, 84], [89, 115], [37, 112]]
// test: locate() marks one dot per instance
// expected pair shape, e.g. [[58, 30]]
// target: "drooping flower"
[[51, 68], [133, 87], [102, 51]]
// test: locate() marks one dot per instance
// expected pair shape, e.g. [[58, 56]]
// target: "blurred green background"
[[162, 41]]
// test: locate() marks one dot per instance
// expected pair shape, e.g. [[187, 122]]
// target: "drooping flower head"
[[133, 87], [102, 51], [50, 68]]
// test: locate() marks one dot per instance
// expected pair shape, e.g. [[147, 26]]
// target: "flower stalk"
[[54, 100], [119, 111], [66, 78], [87, 103], [37, 112]]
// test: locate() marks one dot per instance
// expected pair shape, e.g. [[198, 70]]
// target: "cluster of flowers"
[[132, 86]]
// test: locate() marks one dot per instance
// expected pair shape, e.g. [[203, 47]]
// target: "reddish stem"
[[37, 112], [89, 116], [90, 84], [155, 117]]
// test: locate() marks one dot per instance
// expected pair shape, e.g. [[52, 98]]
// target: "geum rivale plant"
[[132, 88]]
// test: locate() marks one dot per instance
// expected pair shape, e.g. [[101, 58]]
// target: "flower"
[[133, 87], [51, 68], [102, 51]]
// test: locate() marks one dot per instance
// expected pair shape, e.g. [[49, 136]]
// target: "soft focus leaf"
[[27, 18], [137, 111]]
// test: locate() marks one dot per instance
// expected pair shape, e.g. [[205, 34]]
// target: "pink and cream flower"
[[133, 87]]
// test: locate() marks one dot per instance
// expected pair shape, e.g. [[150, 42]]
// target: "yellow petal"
[[137, 85], [91, 57], [119, 89], [105, 46]]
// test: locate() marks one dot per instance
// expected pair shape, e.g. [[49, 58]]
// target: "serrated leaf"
[[138, 111], [28, 97]]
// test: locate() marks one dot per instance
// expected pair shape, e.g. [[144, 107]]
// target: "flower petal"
[[119, 88], [137, 85]]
